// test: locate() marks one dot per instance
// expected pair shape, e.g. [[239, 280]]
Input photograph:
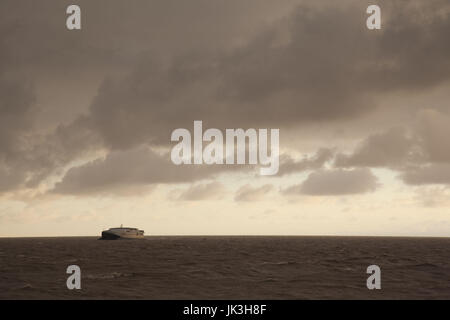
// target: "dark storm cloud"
[[433, 130], [419, 153], [10, 180], [16, 113], [167, 63], [35, 44], [16, 101], [392, 148], [52, 152], [27, 158], [330, 67], [336, 182], [115, 33], [140, 166]]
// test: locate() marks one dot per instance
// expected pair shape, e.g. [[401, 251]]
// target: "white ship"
[[122, 233]]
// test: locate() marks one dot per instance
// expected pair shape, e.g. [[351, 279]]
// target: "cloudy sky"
[[86, 116]]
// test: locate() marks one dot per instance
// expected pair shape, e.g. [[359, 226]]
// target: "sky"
[[86, 116]]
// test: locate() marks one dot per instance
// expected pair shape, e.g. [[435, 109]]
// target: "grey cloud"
[[17, 99], [16, 111], [334, 63], [418, 153], [115, 33], [316, 161], [433, 128], [140, 166], [165, 66], [336, 182], [249, 193], [208, 191], [10, 180], [392, 148], [34, 158], [429, 174], [331, 68]]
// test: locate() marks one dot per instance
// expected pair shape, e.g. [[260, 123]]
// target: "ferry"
[[122, 233]]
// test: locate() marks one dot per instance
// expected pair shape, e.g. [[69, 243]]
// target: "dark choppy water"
[[225, 268]]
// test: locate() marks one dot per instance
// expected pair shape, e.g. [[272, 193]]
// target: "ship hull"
[[106, 235]]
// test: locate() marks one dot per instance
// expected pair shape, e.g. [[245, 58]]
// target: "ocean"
[[237, 267]]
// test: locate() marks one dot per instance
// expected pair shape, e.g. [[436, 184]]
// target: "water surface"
[[225, 268]]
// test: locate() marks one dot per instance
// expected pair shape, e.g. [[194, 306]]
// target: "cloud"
[[249, 193], [38, 47], [433, 196], [417, 153], [391, 148], [138, 167], [268, 83], [10, 180], [336, 182], [28, 164], [208, 191], [428, 174], [316, 161], [158, 27], [17, 98], [433, 128], [263, 65]]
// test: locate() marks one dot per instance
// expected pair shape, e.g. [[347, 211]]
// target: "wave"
[[112, 275], [278, 263]]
